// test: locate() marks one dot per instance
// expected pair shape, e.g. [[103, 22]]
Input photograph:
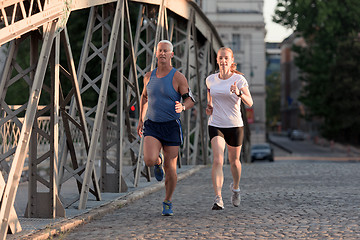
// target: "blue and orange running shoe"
[[159, 170], [167, 208]]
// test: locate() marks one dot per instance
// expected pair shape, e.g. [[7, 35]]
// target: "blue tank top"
[[162, 97]]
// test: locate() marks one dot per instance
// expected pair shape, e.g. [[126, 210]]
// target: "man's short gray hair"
[[167, 42]]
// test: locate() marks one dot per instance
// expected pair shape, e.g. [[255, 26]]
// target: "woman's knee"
[[218, 162], [235, 162]]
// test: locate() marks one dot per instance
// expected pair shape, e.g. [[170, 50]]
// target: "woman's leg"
[[235, 164], [218, 147]]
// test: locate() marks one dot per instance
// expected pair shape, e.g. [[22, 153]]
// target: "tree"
[[328, 63], [273, 90]]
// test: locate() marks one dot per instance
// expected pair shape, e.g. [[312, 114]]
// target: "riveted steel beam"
[[20, 153], [101, 104], [122, 62]]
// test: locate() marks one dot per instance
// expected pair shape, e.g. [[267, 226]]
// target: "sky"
[[275, 32]]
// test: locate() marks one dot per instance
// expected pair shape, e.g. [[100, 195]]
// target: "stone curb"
[[280, 146], [68, 224]]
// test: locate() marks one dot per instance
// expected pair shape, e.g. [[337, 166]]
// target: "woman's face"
[[224, 60]]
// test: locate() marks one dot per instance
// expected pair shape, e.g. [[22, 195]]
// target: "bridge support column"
[[23, 143]]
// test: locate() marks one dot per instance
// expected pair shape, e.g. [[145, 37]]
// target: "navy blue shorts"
[[168, 133]]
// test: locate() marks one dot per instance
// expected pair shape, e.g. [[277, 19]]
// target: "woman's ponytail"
[[233, 69]]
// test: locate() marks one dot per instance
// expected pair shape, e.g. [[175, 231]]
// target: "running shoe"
[[235, 198], [159, 170], [167, 208], [218, 203]]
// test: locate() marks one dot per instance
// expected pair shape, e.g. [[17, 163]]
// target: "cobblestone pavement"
[[280, 200]]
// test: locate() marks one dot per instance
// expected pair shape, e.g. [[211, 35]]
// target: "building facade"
[[241, 26], [292, 110]]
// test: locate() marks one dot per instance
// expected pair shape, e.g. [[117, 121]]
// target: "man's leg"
[[170, 160], [152, 148]]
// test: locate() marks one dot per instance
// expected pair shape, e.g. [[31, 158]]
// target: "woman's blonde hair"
[[233, 65]]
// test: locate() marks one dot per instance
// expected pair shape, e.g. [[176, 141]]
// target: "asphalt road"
[[286, 149]]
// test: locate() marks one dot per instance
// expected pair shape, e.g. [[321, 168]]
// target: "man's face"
[[163, 52]]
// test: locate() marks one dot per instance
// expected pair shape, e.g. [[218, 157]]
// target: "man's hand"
[[179, 107], [140, 128]]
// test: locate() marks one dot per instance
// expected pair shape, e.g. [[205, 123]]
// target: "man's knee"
[[170, 175], [150, 161]]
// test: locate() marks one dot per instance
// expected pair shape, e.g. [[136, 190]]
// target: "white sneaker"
[[218, 203], [235, 198]]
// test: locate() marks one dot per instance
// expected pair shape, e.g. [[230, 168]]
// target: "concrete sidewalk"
[[35, 228]]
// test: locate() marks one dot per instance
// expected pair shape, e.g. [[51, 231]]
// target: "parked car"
[[262, 151], [297, 135]]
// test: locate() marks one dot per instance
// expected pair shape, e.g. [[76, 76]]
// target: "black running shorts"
[[233, 136]]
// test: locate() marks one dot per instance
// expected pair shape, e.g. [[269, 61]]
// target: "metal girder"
[[45, 204], [200, 95], [128, 96], [23, 143], [72, 120], [113, 131], [160, 27], [20, 16], [14, 224], [101, 104], [182, 8]]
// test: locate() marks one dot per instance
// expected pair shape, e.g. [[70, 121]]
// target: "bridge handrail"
[[10, 132]]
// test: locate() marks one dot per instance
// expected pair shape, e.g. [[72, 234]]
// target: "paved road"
[[284, 199], [285, 149]]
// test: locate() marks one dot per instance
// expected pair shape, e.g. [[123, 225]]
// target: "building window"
[[224, 36], [236, 43]]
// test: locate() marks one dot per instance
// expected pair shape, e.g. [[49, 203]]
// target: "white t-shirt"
[[226, 105]]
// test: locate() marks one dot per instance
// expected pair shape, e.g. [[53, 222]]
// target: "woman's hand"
[[234, 89], [209, 109]]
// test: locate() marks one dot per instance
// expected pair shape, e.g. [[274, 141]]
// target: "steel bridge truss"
[[113, 62]]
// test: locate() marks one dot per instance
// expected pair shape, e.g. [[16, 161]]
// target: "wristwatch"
[[241, 93]]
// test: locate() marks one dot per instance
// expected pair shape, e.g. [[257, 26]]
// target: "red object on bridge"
[[250, 115]]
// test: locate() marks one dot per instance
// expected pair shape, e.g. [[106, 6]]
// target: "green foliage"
[[329, 61], [273, 91]]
